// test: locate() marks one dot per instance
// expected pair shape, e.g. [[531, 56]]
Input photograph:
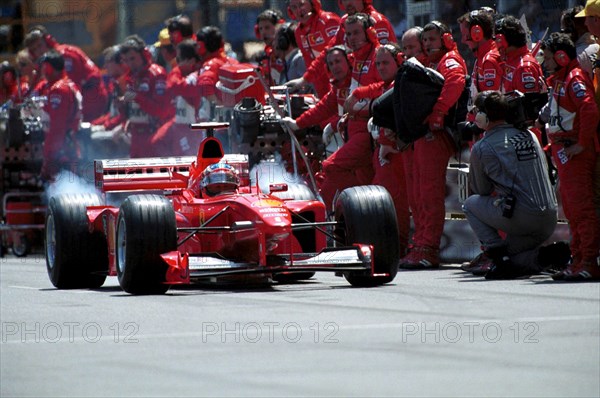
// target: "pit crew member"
[[175, 137], [425, 167], [211, 49], [264, 30], [116, 73], [387, 159], [591, 13], [339, 66], [477, 30], [60, 116], [511, 192], [315, 30], [572, 131], [79, 67], [384, 33], [145, 95], [522, 71], [287, 53]]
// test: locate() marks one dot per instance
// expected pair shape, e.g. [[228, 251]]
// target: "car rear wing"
[[165, 173], [112, 175]]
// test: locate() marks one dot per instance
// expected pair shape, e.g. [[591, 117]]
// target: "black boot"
[[502, 268], [554, 257]]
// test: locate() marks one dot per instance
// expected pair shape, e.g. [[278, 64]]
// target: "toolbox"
[[237, 81]]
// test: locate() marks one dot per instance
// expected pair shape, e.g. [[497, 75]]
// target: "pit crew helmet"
[[219, 178]]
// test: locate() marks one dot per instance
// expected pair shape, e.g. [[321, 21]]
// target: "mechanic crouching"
[[511, 192]]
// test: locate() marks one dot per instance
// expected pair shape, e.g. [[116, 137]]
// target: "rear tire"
[[366, 214], [146, 228], [21, 248], [75, 258]]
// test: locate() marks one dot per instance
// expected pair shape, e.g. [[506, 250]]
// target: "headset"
[[481, 118], [9, 73], [368, 23], [501, 41], [366, 3], [180, 23], [137, 44], [476, 31], [344, 50], [50, 62], [285, 36], [561, 58], [201, 48], [41, 32], [447, 39], [272, 15], [209, 39], [396, 52], [316, 6]]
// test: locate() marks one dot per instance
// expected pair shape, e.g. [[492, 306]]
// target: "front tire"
[[366, 214], [75, 258], [296, 191], [146, 228]]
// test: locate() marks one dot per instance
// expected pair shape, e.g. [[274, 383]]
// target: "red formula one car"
[[191, 219]]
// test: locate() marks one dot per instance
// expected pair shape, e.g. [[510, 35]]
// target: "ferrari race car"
[[174, 227]]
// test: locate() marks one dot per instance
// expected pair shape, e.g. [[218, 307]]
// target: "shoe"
[[482, 268], [506, 273], [477, 262], [573, 265], [583, 271], [410, 258], [559, 275], [502, 268], [554, 257], [423, 258]]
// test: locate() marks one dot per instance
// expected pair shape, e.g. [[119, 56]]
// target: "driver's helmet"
[[219, 178]]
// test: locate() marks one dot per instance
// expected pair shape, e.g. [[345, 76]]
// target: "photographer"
[[511, 192]]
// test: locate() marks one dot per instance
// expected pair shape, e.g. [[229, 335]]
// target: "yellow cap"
[[592, 9], [163, 38]]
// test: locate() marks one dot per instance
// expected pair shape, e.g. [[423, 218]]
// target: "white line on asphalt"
[[278, 330], [25, 287]]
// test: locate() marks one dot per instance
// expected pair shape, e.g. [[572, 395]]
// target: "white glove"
[[373, 129], [290, 123], [129, 96], [384, 151], [296, 84], [120, 135], [327, 134], [96, 128]]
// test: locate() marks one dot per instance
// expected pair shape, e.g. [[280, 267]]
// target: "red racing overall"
[[314, 36], [522, 72], [573, 120], [83, 72], [60, 118], [425, 164], [385, 33], [390, 175], [150, 108]]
